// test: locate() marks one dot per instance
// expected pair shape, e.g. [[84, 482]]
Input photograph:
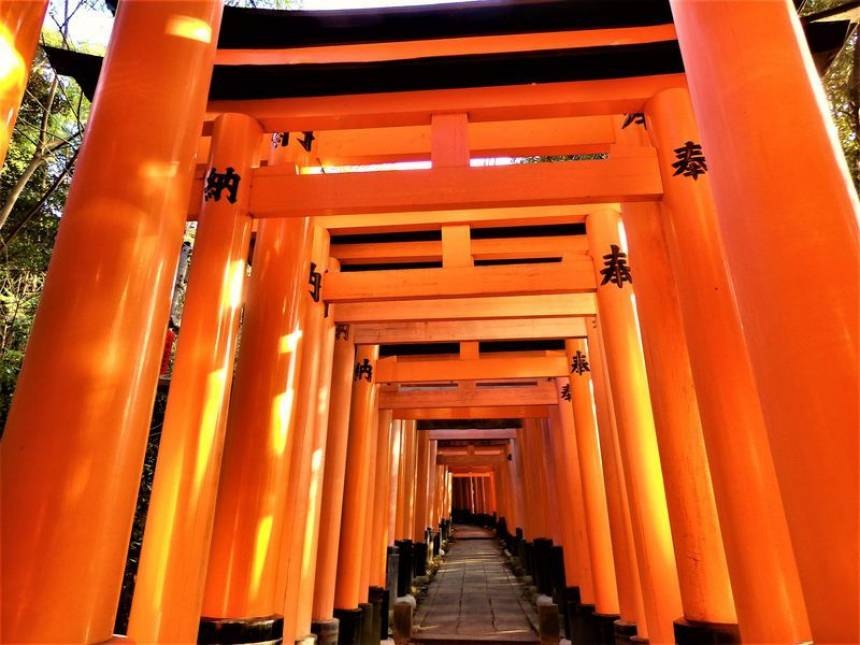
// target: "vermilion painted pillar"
[[79, 420], [307, 585], [702, 571], [410, 478], [596, 515], [20, 26], [432, 485], [333, 477], [529, 524], [515, 476], [244, 579], [787, 213], [630, 601], [578, 567], [548, 459], [559, 506], [538, 477], [755, 534], [394, 477], [379, 517], [635, 423], [306, 440], [404, 482], [372, 461], [348, 591], [168, 593], [422, 480]]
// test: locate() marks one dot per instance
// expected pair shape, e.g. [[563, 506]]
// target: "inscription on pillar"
[[307, 140], [218, 182], [280, 139], [341, 332], [315, 280], [615, 268], [634, 117], [364, 370], [691, 162], [565, 392], [579, 364]]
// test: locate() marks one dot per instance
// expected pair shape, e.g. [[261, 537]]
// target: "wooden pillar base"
[[557, 577], [543, 565], [265, 630], [366, 623], [326, 631], [603, 627], [376, 596], [419, 559], [572, 598], [583, 624], [349, 627], [696, 633], [404, 567], [624, 631], [392, 573]]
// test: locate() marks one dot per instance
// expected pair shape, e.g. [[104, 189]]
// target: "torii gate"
[[692, 112]]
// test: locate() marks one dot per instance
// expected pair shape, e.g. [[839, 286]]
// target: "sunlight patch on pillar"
[[190, 28]]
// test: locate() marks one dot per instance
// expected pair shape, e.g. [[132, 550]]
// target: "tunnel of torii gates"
[[675, 398]]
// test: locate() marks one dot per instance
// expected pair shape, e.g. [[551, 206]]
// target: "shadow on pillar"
[[266, 630]]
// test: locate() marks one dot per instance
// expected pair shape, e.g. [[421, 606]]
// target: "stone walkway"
[[474, 597]]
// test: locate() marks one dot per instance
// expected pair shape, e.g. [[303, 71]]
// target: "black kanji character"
[[691, 162], [218, 182], [616, 269], [579, 364]]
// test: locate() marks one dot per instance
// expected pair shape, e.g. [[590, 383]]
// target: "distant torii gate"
[[699, 466]]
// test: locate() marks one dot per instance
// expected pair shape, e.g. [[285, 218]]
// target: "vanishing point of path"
[[474, 597]]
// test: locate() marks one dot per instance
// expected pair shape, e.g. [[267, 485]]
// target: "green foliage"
[[842, 87], [33, 187]]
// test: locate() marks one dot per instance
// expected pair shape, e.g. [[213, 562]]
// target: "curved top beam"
[[273, 29]]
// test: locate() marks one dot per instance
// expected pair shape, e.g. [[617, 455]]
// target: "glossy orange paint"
[[348, 590], [312, 539], [76, 434], [630, 601], [331, 506], [394, 478], [307, 451], [371, 459], [578, 566], [381, 497], [636, 433], [244, 578], [20, 26], [596, 515], [752, 520], [172, 573], [703, 575], [422, 480], [795, 278]]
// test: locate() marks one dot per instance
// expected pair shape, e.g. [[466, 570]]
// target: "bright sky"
[[93, 27]]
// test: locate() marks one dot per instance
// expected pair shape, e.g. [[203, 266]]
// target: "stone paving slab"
[[474, 597]]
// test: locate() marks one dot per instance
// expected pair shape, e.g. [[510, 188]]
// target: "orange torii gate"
[[671, 429]]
